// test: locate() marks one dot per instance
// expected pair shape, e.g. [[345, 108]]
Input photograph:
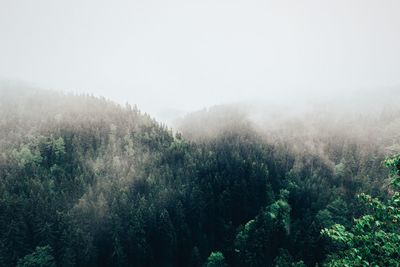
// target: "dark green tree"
[[374, 238], [41, 257], [257, 243], [216, 259]]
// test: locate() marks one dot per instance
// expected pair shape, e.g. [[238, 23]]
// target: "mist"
[[177, 57], [199, 134]]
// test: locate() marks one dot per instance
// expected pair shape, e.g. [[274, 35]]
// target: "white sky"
[[189, 54]]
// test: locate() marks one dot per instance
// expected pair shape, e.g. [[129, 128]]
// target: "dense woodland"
[[87, 182]]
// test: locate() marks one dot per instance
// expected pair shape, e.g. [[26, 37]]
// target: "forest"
[[85, 181]]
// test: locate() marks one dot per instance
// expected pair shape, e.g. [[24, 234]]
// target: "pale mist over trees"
[[88, 182], [229, 133]]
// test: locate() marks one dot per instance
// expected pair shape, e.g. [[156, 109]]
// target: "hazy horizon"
[[179, 57], [259, 133]]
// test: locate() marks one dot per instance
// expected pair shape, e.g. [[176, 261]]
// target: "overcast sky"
[[189, 54]]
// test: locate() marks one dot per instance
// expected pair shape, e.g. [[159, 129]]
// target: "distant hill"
[[370, 118]]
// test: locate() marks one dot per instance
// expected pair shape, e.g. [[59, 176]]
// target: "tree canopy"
[[374, 238], [87, 182]]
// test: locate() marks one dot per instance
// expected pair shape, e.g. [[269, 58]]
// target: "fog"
[[173, 57], [199, 133]]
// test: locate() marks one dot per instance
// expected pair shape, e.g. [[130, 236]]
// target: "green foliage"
[[374, 239], [106, 185], [26, 155], [41, 257], [284, 259], [216, 259], [258, 242]]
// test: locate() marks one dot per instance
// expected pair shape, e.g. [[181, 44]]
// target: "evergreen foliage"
[[374, 238], [216, 259], [86, 182], [41, 257]]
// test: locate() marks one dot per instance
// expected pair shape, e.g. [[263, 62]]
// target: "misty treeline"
[[87, 182]]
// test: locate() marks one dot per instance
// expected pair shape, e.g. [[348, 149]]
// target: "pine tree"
[[216, 259], [41, 257]]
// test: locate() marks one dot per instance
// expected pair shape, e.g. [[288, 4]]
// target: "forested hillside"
[[87, 182]]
